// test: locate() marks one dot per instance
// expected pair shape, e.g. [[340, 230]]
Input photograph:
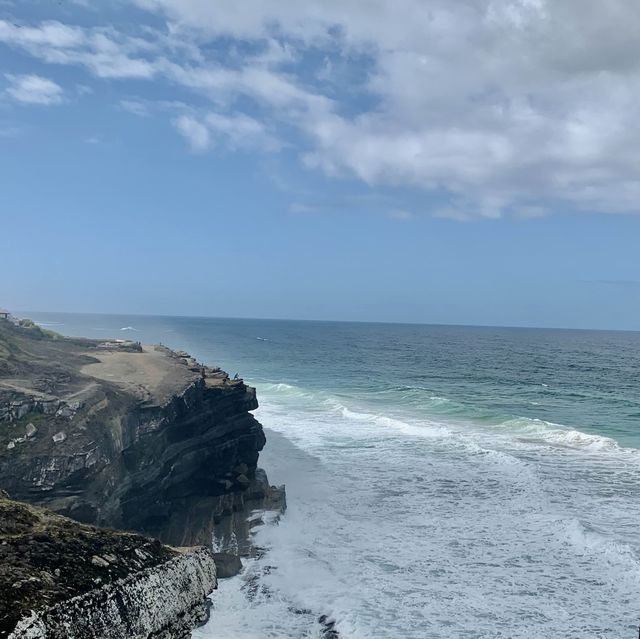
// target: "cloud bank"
[[501, 107]]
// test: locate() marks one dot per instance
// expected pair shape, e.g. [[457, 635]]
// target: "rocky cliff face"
[[131, 437], [61, 579]]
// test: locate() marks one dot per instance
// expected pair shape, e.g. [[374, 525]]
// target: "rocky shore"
[[130, 437]]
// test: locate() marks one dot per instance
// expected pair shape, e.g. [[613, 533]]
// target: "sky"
[[468, 162]]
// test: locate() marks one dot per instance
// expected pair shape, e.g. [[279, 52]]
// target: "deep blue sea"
[[442, 482]]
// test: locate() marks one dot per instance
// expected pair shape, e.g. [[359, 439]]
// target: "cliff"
[[61, 579], [128, 436], [131, 437]]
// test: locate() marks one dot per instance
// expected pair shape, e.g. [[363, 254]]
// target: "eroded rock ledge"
[[142, 438], [130, 437], [61, 579]]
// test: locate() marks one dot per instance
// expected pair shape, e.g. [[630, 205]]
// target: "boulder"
[[243, 481], [227, 565]]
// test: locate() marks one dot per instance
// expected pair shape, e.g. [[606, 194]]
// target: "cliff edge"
[[131, 437], [60, 579], [128, 436]]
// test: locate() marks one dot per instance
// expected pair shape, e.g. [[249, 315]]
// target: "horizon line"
[[338, 321]]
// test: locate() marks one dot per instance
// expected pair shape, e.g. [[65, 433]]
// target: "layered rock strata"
[[61, 579], [127, 436]]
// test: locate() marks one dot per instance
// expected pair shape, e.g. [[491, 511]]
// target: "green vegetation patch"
[[8, 345], [11, 430], [36, 331]]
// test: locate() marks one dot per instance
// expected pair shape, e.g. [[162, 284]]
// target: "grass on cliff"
[[37, 332], [12, 430], [8, 345], [45, 559], [11, 333]]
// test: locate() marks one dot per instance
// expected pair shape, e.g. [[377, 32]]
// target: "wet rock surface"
[[227, 564], [328, 628]]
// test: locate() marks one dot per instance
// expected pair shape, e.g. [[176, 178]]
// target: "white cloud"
[[506, 104], [34, 89], [196, 133], [241, 131], [105, 52], [234, 132], [512, 107], [135, 107], [48, 34]]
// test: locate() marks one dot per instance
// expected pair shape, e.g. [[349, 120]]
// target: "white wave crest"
[[543, 432], [591, 541], [417, 429]]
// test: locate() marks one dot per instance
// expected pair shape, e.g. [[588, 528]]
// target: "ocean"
[[442, 481]]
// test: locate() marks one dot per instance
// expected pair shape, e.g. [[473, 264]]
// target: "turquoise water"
[[442, 481]]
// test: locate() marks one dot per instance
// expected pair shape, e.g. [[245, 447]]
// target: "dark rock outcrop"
[[328, 626], [227, 565], [60, 578], [142, 439], [125, 436]]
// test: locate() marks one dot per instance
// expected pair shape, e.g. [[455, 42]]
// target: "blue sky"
[[471, 162]]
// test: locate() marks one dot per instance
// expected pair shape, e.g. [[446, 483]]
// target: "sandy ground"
[[152, 375]]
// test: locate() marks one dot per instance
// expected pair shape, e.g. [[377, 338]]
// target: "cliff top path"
[[150, 374]]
